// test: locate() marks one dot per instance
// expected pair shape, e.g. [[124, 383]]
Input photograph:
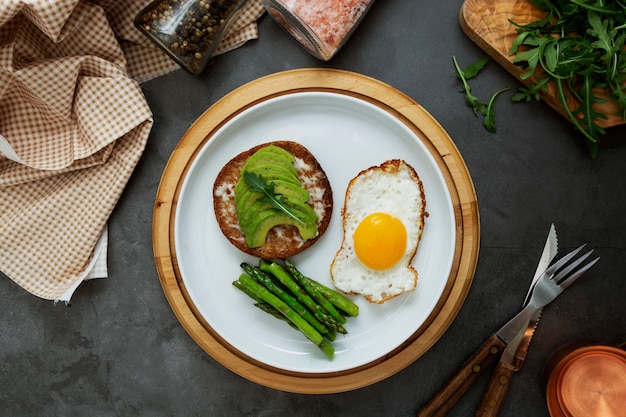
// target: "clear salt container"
[[322, 27]]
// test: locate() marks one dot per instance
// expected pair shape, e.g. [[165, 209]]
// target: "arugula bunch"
[[579, 46]]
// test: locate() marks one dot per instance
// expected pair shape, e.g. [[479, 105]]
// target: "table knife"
[[514, 354], [486, 355], [550, 250]]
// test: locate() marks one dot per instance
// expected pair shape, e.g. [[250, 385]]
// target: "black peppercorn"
[[189, 31]]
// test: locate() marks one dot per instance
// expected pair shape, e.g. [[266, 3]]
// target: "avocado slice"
[[277, 150], [301, 206], [269, 172], [289, 189], [241, 187], [285, 188], [268, 219], [264, 158], [247, 218], [247, 199]]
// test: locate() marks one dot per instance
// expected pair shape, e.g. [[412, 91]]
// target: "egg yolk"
[[380, 241]]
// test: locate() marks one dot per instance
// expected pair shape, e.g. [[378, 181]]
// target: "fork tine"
[[570, 280], [562, 274], [563, 260]]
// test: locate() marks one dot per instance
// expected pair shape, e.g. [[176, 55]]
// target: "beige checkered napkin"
[[73, 125]]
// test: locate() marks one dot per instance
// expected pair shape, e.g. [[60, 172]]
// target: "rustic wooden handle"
[[496, 391], [458, 385]]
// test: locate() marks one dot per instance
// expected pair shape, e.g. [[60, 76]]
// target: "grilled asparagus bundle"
[[283, 291]]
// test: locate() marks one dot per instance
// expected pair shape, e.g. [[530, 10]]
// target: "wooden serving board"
[[487, 23], [449, 161]]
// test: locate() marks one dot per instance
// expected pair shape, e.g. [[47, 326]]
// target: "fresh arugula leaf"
[[472, 70], [487, 111], [531, 92], [471, 99], [258, 184], [550, 55], [519, 41], [478, 106], [599, 30], [531, 57]]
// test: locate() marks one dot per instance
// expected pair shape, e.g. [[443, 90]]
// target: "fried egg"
[[383, 219]]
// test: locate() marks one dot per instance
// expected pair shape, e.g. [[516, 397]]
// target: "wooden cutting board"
[[487, 23]]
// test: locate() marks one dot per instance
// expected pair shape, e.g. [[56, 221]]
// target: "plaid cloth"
[[73, 125]]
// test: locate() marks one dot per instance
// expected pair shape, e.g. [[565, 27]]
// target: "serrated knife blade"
[[550, 250], [522, 350], [509, 331]]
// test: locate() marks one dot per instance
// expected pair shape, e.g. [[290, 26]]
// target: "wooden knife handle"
[[496, 391], [458, 385]]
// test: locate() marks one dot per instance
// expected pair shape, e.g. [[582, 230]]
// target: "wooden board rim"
[[440, 146]]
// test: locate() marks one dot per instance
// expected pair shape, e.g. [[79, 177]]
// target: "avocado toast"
[[251, 222]]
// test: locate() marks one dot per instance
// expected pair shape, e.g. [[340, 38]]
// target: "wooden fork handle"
[[457, 386]]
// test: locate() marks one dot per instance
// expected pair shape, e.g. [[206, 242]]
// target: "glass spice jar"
[[321, 26], [189, 31]]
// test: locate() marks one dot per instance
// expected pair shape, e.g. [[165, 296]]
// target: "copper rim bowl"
[[587, 381]]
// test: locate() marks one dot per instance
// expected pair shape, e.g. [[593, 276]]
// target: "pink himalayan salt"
[[329, 21]]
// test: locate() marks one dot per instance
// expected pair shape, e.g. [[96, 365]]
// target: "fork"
[[551, 284]]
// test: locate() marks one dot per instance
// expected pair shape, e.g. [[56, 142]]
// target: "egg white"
[[393, 188]]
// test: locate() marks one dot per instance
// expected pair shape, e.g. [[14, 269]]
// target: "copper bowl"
[[587, 381]]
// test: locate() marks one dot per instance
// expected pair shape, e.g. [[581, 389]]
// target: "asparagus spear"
[[261, 292], [262, 305], [337, 299], [268, 283], [273, 312], [249, 293], [325, 346], [312, 290], [302, 295]]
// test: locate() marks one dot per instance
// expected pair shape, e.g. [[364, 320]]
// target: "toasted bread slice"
[[282, 241]]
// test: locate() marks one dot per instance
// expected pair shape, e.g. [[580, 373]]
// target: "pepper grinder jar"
[[189, 31], [321, 26]]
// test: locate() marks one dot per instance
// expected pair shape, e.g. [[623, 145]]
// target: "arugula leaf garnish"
[[478, 106], [472, 71], [258, 184], [487, 111]]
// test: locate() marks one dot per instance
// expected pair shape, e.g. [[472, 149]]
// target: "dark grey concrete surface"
[[118, 349]]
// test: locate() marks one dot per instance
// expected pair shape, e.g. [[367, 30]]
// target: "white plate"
[[346, 135]]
